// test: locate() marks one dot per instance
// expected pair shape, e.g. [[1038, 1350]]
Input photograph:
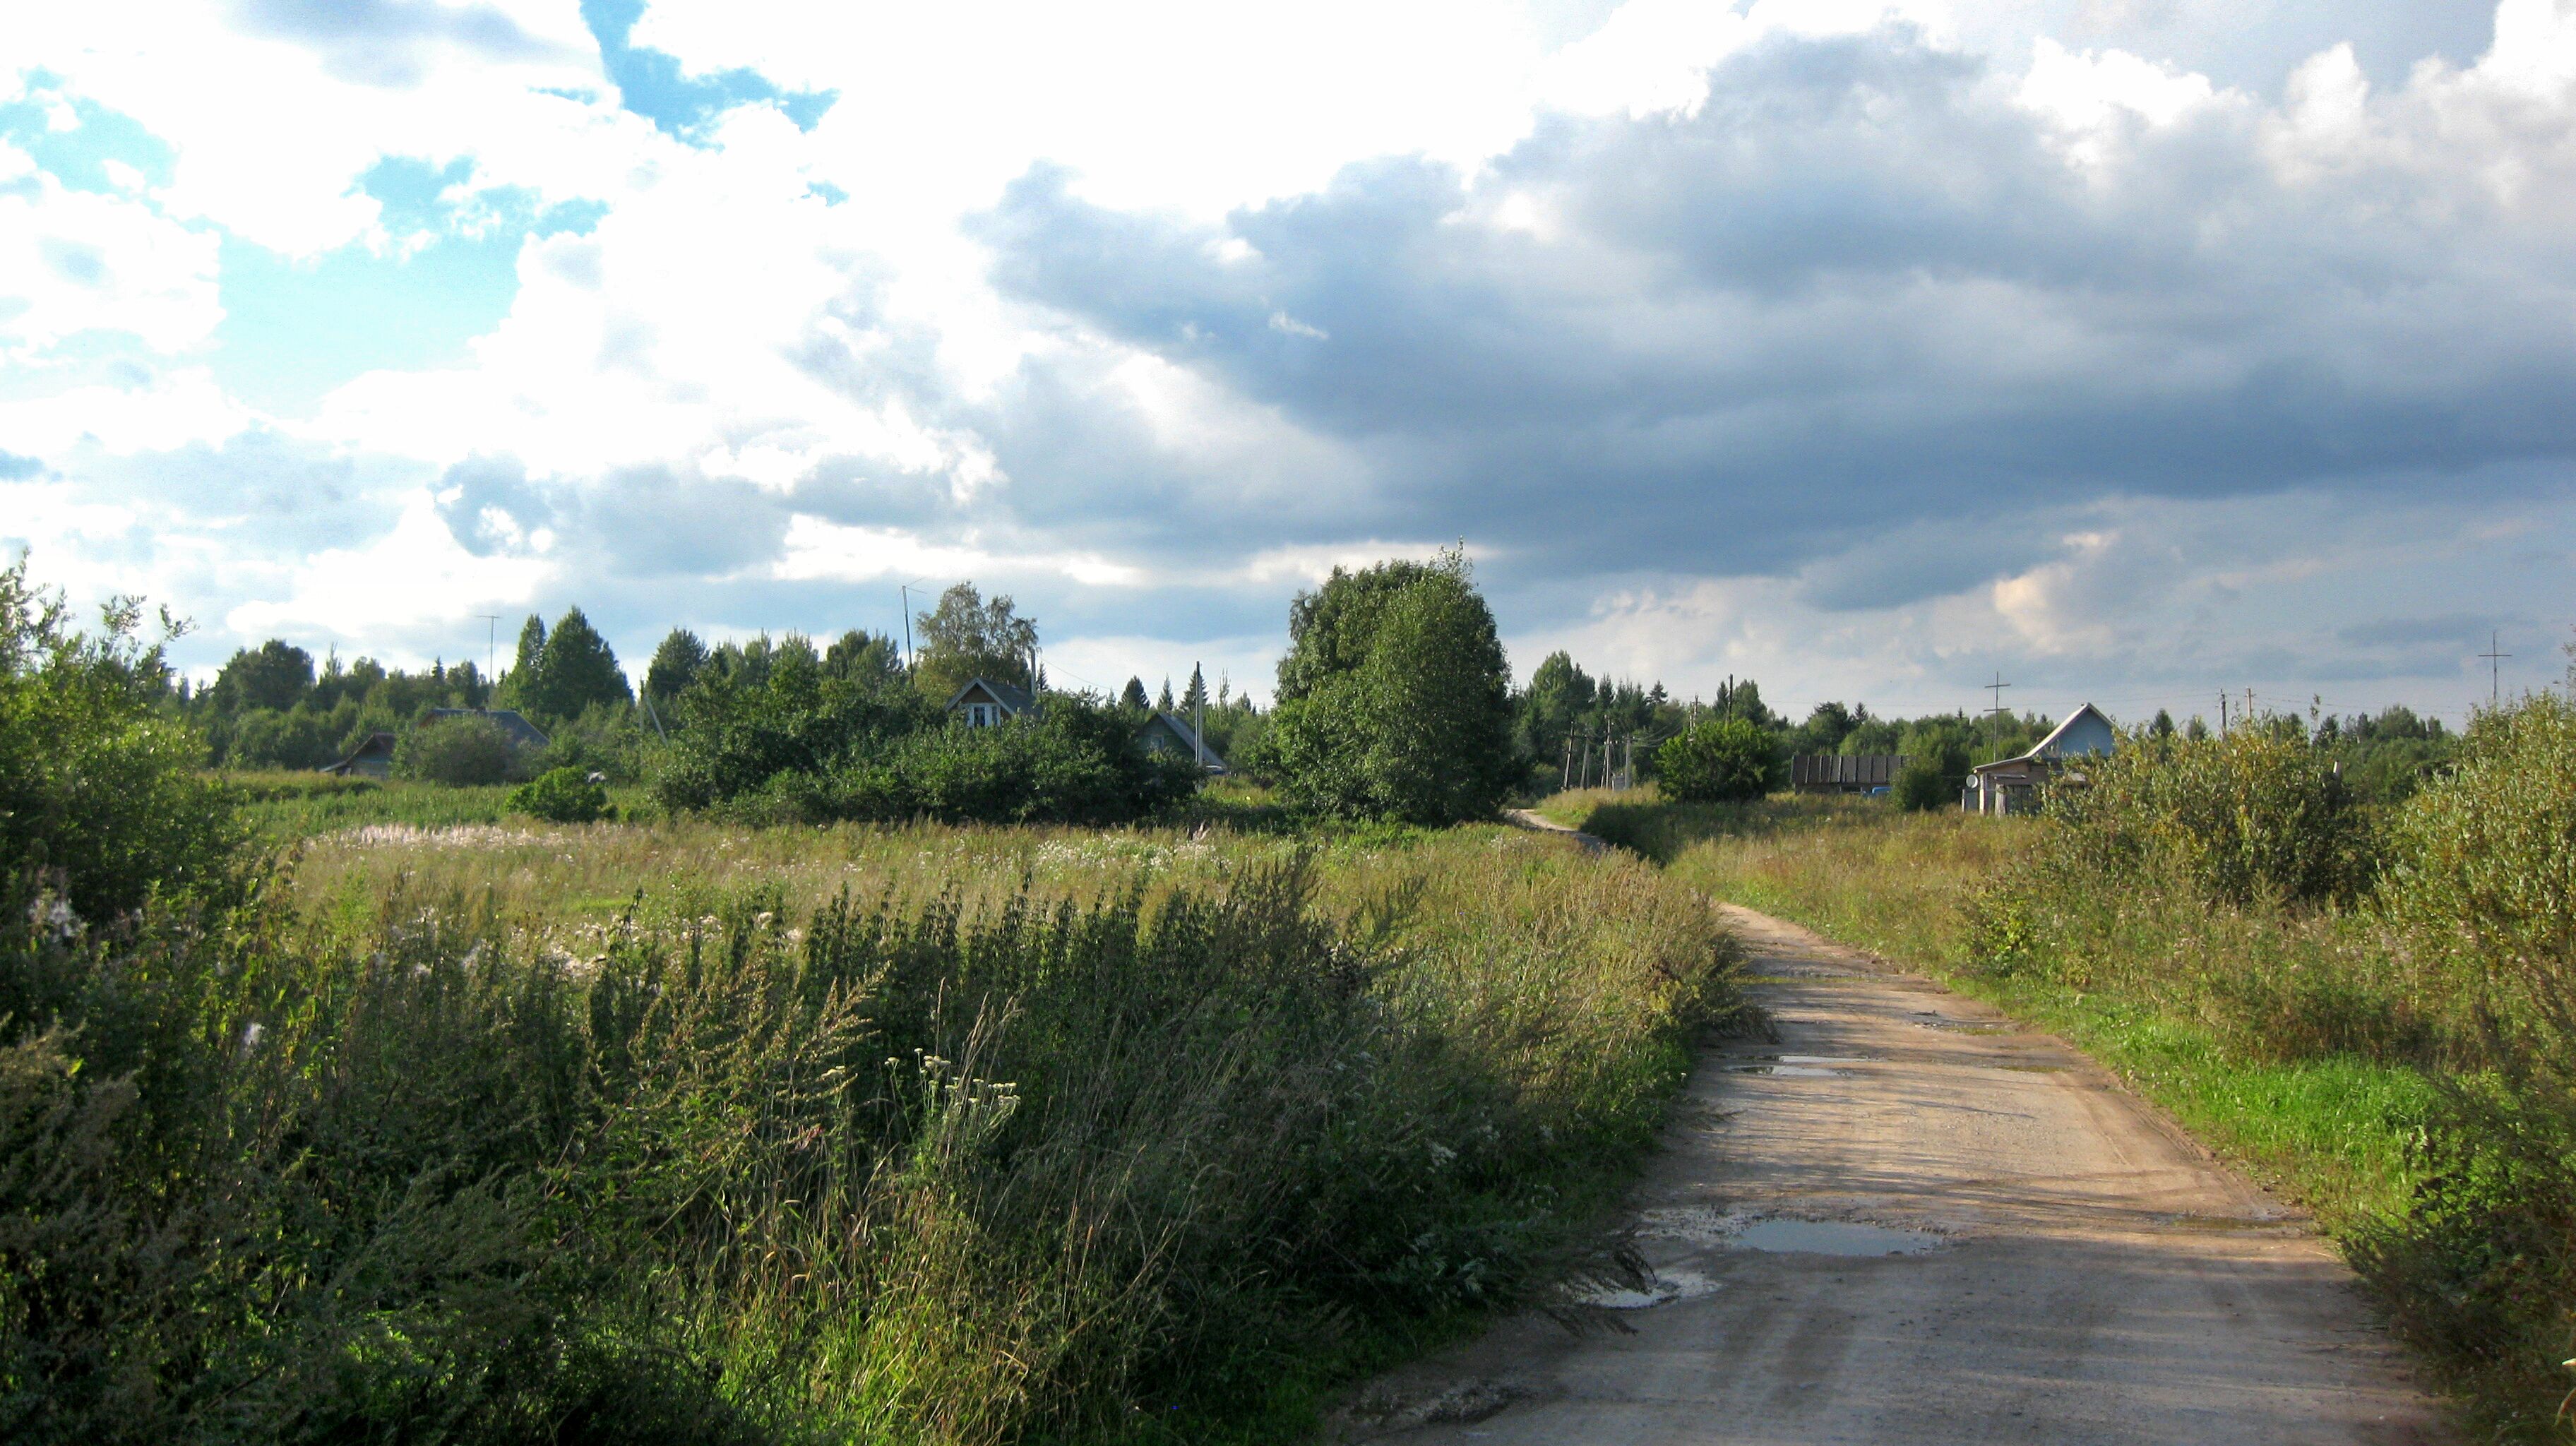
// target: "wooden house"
[[2009, 785], [984, 703]]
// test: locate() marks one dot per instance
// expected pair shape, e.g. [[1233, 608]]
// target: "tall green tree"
[[1402, 705], [1134, 696], [1559, 694], [1194, 697], [575, 670], [277, 675], [967, 637], [524, 665], [675, 665], [861, 657]]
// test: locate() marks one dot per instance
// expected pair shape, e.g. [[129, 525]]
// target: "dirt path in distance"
[[1909, 1222]]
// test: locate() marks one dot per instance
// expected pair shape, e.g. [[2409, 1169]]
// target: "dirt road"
[[1907, 1221]]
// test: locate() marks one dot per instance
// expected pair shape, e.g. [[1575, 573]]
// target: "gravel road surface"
[[1906, 1220]]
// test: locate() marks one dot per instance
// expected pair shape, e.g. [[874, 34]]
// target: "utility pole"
[[2495, 669], [905, 589], [1995, 731], [2222, 712], [491, 648]]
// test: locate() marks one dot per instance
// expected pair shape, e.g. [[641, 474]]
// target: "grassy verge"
[[2295, 1043], [686, 1131]]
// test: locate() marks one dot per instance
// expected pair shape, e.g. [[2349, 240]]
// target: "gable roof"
[[519, 729], [379, 744], [2053, 746], [1186, 736], [1012, 698]]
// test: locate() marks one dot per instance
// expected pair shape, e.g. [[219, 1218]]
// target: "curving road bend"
[[1905, 1222]]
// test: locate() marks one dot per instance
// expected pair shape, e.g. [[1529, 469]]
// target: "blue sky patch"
[[294, 330], [78, 157], [680, 105]]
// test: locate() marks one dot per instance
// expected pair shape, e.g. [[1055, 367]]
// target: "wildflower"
[[251, 1036]]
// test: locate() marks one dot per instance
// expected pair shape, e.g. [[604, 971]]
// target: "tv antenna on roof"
[[1996, 730], [491, 645]]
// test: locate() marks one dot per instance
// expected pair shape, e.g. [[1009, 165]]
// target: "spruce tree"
[[1164, 703], [675, 664], [1194, 697], [1133, 695], [575, 669]]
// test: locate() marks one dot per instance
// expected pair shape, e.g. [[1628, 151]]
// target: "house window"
[[979, 715]]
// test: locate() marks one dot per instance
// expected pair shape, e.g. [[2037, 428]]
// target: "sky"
[[2121, 350]]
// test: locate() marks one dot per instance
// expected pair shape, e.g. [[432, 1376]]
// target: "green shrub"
[[2256, 813], [459, 752], [97, 788], [562, 795], [1723, 760], [1924, 785]]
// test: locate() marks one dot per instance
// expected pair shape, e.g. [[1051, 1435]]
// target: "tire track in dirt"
[[2066, 1266]]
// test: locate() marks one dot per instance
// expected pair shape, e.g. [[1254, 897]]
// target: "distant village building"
[[1845, 772], [374, 758], [1171, 733], [2008, 785], [983, 703], [512, 725]]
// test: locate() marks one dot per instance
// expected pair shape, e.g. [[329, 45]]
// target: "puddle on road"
[[1666, 1287], [1831, 1237], [1800, 1066], [1958, 1026]]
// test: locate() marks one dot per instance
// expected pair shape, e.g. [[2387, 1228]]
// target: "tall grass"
[[615, 1133]]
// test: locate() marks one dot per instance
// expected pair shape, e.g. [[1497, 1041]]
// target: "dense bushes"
[[462, 752], [2252, 814], [562, 795], [95, 785], [896, 1173], [804, 745], [1723, 760]]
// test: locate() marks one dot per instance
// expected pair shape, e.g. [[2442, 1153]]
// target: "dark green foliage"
[[1133, 696], [966, 637], [576, 669], [1723, 760], [741, 726], [1195, 696], [1419, 727], [1921, 788], [97, 787], [859, 657], [562, 795], [675, 665], [462, 752], [276, 676], [608, 738]]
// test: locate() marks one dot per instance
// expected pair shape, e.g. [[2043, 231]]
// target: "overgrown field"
[[2369, 1008], [503, 1131]]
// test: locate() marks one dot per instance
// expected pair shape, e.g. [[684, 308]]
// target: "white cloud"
[[75, 261]]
